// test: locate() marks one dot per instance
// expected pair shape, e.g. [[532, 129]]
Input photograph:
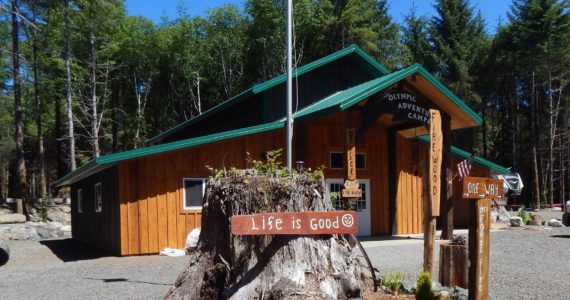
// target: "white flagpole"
[[289, 85]]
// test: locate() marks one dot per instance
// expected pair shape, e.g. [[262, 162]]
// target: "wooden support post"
[[429, 229], [447, 183], [480, 219]]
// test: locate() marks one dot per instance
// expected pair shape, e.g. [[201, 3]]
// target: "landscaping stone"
[[516, 221], [192, 239], [555, 223], [66, 228], [59, 216], [460, 293], [12, 218], [408, 287]]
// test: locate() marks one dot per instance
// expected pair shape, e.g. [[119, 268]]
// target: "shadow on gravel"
[[111, 280], [73, 250], [564, 236]]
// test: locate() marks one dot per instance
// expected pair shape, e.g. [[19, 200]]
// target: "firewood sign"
[[481, 191], [351, 187], [302, 223]]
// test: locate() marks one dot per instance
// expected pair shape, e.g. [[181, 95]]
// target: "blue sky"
[[491, 10]]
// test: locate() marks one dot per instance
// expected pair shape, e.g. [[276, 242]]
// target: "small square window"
[[336, 160], [360, 161], [79, 200], [98, 198], [193, 193]]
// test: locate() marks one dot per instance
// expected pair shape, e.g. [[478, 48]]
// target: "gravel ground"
[[526, 263], [65, 269]]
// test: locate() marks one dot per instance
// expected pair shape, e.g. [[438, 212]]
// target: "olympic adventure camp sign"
[[405, 106], [302, 223]]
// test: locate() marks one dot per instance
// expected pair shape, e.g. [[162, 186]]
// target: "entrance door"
[[362, 204]]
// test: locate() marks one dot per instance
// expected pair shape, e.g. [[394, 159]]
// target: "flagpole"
[[289, 85]]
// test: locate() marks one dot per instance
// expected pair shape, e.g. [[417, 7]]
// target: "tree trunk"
[[534, 142], [93, 84], [69, 100], [268, 266], [21, 187], [39, 111]]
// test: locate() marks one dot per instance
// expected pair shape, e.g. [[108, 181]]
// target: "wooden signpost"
[[480, 192], [303, 223], [351, 186]]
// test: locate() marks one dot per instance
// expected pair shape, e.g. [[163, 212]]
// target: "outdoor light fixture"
[[299, 164]]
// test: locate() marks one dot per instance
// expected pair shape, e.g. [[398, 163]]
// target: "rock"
[[12, 218], [443, 294], [516, 221], [460, 293], [192, 239], [66, 228], [408, 287], [45, 233], [436, 286], [555, 223], [58, 216], [23, 233], [55, 224]]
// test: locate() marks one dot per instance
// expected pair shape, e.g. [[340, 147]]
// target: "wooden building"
[[143, 200]]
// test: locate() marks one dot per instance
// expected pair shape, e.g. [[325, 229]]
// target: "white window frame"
[[98, 197], [79, 200], [342, 153], [184, 207]]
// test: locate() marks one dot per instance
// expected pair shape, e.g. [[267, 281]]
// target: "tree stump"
[[268, 266], [454, 265]]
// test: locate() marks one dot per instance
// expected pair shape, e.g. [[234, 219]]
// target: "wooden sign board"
[[435, 157], [302, 223], [351, 189], [479, 249], [482, 188]]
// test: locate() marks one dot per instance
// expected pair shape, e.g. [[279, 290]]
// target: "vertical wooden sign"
[[435, 157], [479, 249], [351, 186]]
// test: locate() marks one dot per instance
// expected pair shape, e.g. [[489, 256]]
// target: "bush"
[[423, 290], [393, 281]]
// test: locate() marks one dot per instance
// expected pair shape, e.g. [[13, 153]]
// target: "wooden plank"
[[180, 215], [303, 223], [171, 201], [143, 203], [133, 208], [124, 208], [479, 249], [161, 204], [435, 158], [152, 206], [480, 187]]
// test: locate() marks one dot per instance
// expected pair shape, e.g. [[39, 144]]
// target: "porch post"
[[446, 199]]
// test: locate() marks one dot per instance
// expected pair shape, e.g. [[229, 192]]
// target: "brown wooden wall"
[[152, 215]]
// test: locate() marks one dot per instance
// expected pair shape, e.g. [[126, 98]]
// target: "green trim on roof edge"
[[478, 159], [376, 68], [163, 148]]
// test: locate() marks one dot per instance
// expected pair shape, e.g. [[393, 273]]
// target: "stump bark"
[[270, 266], [454, 265]]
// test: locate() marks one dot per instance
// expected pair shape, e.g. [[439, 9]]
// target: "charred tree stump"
[[454, 265], [268, 266]]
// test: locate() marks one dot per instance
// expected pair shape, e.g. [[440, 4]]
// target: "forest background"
[[81, 78]]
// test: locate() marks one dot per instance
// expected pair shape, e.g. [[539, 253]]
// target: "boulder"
[[66, 228], [12, 218], [192, 239], [555, 223], [24, 233], [460, 293], [58, 216], [516, 221]]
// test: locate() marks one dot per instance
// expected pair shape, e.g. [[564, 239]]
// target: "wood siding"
[[100, 229]]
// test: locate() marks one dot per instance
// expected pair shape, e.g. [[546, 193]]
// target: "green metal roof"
[[102, 162], [477, 161], [368, 63]]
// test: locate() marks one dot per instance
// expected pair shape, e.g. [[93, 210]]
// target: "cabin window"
[[79, 200], [193, 193], [337, 160], [98, 198]]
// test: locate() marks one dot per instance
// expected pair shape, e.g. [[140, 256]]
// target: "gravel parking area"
[[526, 263], [66, 269]]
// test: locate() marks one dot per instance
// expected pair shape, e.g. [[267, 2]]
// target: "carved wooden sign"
[[480, 188], [482, 191], [303, 223], [351, 186], [435, 157]]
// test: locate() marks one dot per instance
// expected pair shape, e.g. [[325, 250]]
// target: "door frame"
[[368, 200]]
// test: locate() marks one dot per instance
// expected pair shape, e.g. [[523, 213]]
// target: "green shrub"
[[393, 281], [423, 290]]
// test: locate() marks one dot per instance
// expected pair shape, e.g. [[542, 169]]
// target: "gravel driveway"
[[526, 263], [65, 269]]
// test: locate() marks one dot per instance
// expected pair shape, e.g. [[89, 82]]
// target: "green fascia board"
[[230, 102], [477, 160], [111, 159], [369, 63]]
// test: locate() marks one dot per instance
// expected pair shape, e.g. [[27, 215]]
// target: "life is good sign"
[[302, 223]]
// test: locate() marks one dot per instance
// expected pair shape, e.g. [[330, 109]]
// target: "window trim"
[[79, 195], [98, 198], [342, 153], [184, 207]]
